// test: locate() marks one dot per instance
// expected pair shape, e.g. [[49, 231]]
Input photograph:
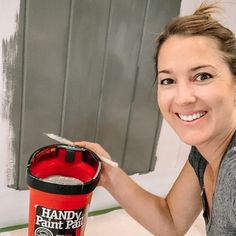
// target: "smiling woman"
[[196, 89], [196, 74]]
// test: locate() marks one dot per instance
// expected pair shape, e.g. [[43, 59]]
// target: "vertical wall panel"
[[86, 71], [144, 124], [123, 48], [90, 22], [46, 45]]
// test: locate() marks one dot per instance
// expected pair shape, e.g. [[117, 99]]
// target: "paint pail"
[[55, 207]]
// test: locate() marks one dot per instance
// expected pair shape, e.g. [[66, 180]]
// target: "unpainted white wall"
[[8, 25]]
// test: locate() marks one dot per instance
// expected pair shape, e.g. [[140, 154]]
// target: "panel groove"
[[129, 118], [104, 69], [154, 146], [72, 2], [135, 83]]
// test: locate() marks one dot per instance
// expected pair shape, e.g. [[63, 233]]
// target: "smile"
[[192, 117]]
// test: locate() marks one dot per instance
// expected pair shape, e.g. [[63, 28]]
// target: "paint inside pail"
[[61, 180]]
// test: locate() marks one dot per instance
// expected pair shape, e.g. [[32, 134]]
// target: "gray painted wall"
[[85, 70]]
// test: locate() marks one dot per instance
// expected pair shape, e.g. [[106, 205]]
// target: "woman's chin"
[[192, 139]]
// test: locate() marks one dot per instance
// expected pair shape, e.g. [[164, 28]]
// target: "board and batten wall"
[[84, 69]]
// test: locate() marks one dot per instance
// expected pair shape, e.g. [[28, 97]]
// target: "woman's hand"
[[100, 151]]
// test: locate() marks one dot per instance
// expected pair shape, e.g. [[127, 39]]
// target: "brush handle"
[[108, 161], [60, 139]]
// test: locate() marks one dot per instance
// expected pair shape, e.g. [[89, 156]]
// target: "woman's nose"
[[184, 95]]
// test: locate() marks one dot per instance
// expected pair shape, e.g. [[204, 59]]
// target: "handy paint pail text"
[[61, 179]]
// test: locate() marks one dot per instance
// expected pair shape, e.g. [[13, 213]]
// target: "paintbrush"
[[68, 142]]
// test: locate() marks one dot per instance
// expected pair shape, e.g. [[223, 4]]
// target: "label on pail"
[[51, 222]]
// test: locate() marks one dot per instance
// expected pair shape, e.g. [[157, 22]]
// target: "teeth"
[[192, 117]]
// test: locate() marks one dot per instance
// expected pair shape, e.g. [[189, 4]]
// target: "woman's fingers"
[[94, 147]]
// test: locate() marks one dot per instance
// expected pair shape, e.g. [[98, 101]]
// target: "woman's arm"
[[170, 216]]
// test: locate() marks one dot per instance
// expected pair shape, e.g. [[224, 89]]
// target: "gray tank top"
[[222, 220]]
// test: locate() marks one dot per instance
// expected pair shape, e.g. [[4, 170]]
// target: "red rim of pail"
[[84, 188]]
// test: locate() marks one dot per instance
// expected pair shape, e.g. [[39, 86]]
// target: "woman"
[[196, 91]]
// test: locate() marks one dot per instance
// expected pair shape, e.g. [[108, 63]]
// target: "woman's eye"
[[203, 76], [166, 81]]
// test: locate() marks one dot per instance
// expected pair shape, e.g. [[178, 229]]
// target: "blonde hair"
[[201, 23]]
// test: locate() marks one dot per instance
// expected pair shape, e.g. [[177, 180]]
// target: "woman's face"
[[196, 90]]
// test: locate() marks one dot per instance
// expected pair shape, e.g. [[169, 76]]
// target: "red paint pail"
[[57, 207]]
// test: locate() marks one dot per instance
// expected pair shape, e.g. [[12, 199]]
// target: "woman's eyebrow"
[[164, 71], [192, 69], [201, 67]]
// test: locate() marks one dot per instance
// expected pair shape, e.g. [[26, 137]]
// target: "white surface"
[[117, 223], [13, 207]]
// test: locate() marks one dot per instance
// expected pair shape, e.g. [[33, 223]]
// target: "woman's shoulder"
[[225, 195]]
